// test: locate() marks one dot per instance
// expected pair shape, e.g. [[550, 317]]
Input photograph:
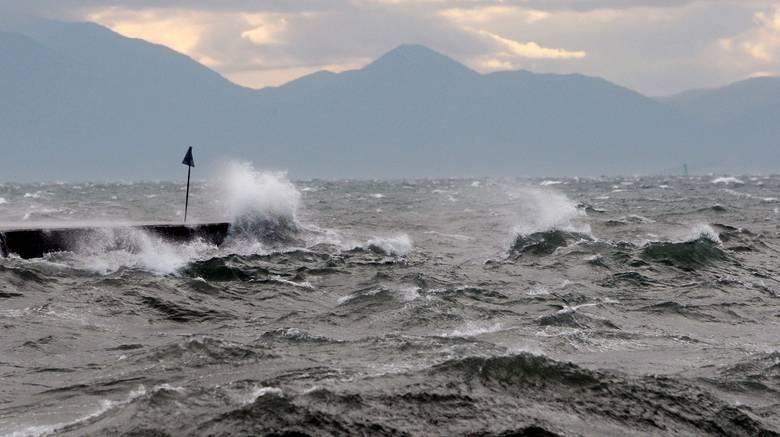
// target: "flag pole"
[[189, 161], [187, 199]]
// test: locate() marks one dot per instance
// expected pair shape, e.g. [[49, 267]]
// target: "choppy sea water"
[[608, 306]]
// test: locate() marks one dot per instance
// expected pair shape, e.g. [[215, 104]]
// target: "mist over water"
[[612, 306]]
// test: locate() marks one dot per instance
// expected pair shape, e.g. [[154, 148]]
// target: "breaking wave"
[[727, 180], [263, 206], [544, 243], [107, 250], [547, 220], [400, 245], [700, 249], [542, 210], [360, 330]]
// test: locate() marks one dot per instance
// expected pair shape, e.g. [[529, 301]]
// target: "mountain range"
[[82, 102]]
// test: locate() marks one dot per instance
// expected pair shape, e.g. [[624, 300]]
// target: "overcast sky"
[[657, 47]]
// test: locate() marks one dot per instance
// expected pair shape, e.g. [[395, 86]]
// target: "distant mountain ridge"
[[81, 102], [744, 118], [726, 103]]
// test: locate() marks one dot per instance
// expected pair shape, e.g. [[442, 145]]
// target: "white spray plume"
[[105, 251], [545, 209], [259, 193], [262, 205], [399, 245]]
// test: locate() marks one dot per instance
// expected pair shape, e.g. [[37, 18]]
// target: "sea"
[[605, 306]]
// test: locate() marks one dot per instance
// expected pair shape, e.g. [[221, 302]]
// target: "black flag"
[[188, 159]]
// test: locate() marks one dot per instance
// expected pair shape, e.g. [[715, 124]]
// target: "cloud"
[[267, 28], [180, 31], [655, 46], [763, 42], [512, 48], [259, 76], [577, 5], [755, 51], [487, 14], [59, 8]]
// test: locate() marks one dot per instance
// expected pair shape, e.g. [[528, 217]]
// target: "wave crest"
[[686, 255], [544, 243]]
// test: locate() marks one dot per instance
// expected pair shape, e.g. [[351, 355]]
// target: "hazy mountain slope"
[[416, 103], [88, 103], [105, 105], [722, 104], [742, 121]]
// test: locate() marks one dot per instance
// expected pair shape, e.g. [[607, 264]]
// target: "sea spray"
[[263, 206], [106, 250], [541, 210], [546, 220], [399, 245]]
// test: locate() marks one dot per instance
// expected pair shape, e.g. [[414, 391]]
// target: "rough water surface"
[[611, 306]]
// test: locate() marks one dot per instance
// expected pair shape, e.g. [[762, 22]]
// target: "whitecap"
[[539, 291], [106, 250], [727, 180], [571, 309], [473, 329], [702, 230], [695, 232], [409, 294], [259, 392], [399, 245]]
